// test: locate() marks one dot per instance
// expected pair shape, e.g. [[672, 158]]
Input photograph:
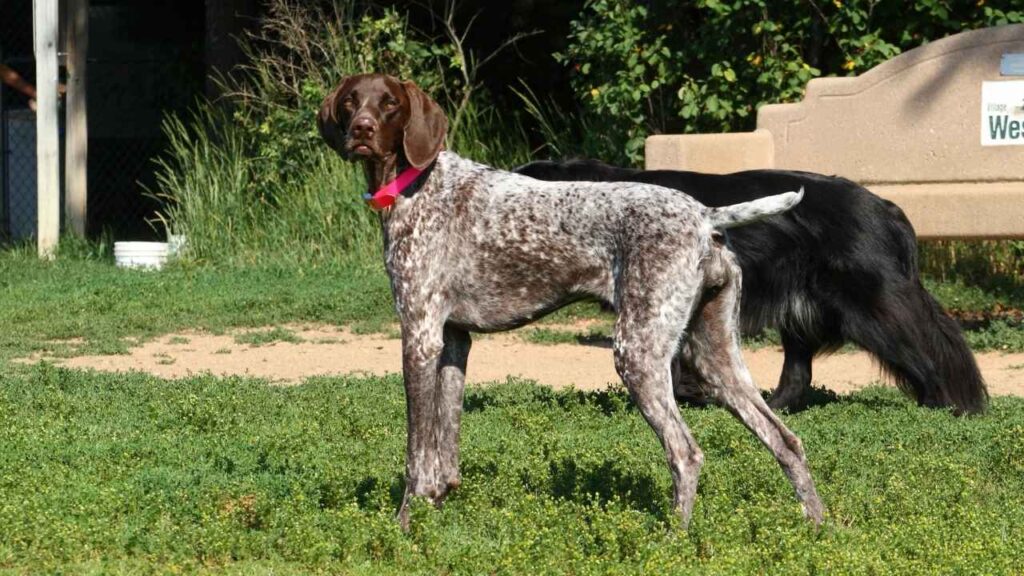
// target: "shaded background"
[[153, 57]]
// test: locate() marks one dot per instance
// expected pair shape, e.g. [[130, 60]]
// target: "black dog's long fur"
[[840, 267]]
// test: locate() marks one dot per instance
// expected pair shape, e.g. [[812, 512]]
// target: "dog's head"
[[374, 117]]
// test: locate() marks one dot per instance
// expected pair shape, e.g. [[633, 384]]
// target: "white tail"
[[747, 212]]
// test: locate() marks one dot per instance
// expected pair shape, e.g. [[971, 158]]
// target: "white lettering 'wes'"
[[1002, 113]]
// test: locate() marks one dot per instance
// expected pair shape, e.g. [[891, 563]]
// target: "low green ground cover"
[[133, 474]]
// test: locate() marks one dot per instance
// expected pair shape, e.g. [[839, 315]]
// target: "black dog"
[[840, 267]]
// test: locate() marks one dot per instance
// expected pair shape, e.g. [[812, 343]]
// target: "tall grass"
[[995, 265], [571, 133], [248, 179], [249, 182], [492, 136], [214, 194]]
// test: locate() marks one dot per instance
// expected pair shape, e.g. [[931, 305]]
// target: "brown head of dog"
[[386, 123]]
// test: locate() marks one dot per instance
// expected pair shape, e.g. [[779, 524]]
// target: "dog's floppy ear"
[[425, 129], [330, 120]]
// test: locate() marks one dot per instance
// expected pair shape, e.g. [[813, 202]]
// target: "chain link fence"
[[17, 125]]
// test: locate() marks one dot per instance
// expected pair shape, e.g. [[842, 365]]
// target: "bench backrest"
[[910, 129]]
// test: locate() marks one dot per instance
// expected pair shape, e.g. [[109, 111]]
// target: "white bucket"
[[140, 254]]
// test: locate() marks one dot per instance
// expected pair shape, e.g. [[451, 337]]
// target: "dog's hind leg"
[[648, 381], [713, 352], [647, 334]]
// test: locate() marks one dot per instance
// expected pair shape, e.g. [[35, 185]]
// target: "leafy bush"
[[705, 66]]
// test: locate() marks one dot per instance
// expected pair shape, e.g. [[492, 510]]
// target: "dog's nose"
[[363, 127]]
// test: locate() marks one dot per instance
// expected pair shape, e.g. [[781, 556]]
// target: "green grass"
[[956, 294], [999, 336], [214, 189], [262, 337], [995, 265], [542, 335], [45, 303], [133, 474], [85, 305]]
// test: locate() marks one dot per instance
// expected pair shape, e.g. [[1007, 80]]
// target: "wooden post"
[[45, 26], [76, 140]]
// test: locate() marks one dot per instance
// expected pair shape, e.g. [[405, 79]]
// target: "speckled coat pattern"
[[475, 249]]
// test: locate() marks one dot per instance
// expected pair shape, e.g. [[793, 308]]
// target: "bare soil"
[[323, 350]]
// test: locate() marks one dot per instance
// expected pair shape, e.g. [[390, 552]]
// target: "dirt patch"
[[290, 354]]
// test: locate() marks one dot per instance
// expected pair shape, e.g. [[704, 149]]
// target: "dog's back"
[[781, 255]]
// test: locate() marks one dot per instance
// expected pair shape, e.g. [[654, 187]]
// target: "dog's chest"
[[414, 256]]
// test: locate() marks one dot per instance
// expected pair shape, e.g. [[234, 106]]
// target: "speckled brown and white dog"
[[471, 248]]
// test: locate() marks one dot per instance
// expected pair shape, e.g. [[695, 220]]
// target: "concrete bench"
[[915, 130]]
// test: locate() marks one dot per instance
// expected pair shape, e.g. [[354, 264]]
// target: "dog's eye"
[[389, 103], [349, 102]]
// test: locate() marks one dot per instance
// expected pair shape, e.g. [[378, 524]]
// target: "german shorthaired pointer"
[[471, 248], [840, 267]]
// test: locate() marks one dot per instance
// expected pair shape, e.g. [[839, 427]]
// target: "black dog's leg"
[[795, 379]]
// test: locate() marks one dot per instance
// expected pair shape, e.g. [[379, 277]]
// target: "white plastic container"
[[150, 255]]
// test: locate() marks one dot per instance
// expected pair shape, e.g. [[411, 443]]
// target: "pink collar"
[[389, 192]]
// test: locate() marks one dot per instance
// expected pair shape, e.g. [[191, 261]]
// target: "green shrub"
[[705, 66]]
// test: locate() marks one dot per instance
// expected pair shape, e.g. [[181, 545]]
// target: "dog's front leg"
[[451, 383], [421, 351]]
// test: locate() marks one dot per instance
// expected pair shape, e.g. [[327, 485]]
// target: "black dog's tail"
[[960, 384], [915, 341]]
